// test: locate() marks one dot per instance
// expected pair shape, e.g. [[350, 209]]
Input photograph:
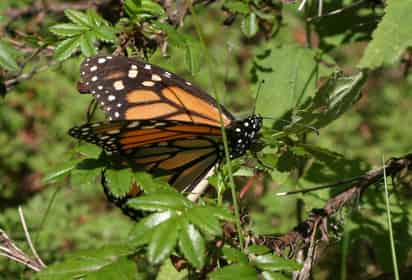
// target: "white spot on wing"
[[116, 114], [93, 68], [148, 83], [147, 66], [111, 97], [133, 124], [156, 78], [101, 60], [132, 73], [167, 74], [94, 78], [118, 85]]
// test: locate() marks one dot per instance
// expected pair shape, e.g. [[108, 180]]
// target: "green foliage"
[[331, 121], [8, 57], [84, 31], [391, 37]]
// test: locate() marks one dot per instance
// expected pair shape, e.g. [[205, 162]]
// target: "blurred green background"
[[36, 114]]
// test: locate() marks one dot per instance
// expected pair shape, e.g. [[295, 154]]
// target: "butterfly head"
[[243, 134]]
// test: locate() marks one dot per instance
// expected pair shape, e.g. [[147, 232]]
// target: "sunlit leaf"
[[192, 244], [163, 240], [391, 37]]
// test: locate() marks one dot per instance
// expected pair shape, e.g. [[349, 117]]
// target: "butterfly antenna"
[[314, 129], [257, 95]]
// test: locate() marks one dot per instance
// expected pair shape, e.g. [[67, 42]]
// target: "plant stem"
[[224, 136], [388, 213]]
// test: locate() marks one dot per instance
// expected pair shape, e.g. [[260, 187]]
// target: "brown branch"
[[302, 232]]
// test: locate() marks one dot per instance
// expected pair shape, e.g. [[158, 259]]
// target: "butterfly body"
[[160, 122]]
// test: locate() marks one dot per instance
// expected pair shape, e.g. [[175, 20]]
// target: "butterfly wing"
[[131, 89], [183, 152]]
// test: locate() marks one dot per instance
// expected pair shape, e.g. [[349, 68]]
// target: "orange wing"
[[183, 152], [131, 89]]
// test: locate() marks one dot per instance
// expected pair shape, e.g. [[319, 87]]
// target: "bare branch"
[[28, 238]]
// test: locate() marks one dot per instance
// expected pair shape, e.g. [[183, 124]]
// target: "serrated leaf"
[[391, 37], [337, 95], [95, 19], [119, 181], [240, 271], [200, 216], [68, 29], [160, 201], [268, 275], [150, 184], [123, 269], [7, 57], [234, 255], [192, 245], [143, 230], [105, 33], [66, 48], [87, 44], [249, 25], [163, 240], [78, 18], [84, 261], [275, 263]]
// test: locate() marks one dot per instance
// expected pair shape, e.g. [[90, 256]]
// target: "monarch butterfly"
[[158, 121]]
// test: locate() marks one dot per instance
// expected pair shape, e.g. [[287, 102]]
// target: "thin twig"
[[28, 238]]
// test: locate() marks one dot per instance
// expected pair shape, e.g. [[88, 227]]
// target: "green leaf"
[[142, 232], [268, 275], [87, 44], [119, 181], [391, 37], [78, 18], [192, 56], [275, 263], [240, 271], [335, 97], [221, 213], [60, 171], [163, 240], [200, 216], [192, 244], [105, 33], [160, 201], [249, 25], [95, 19], [66, 48], [68, 29], [123, 269], [237, 7], [257, 249], [150, 184], [145, 8], [290, 74], [234, 255], [7, 57], [84, 262]]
